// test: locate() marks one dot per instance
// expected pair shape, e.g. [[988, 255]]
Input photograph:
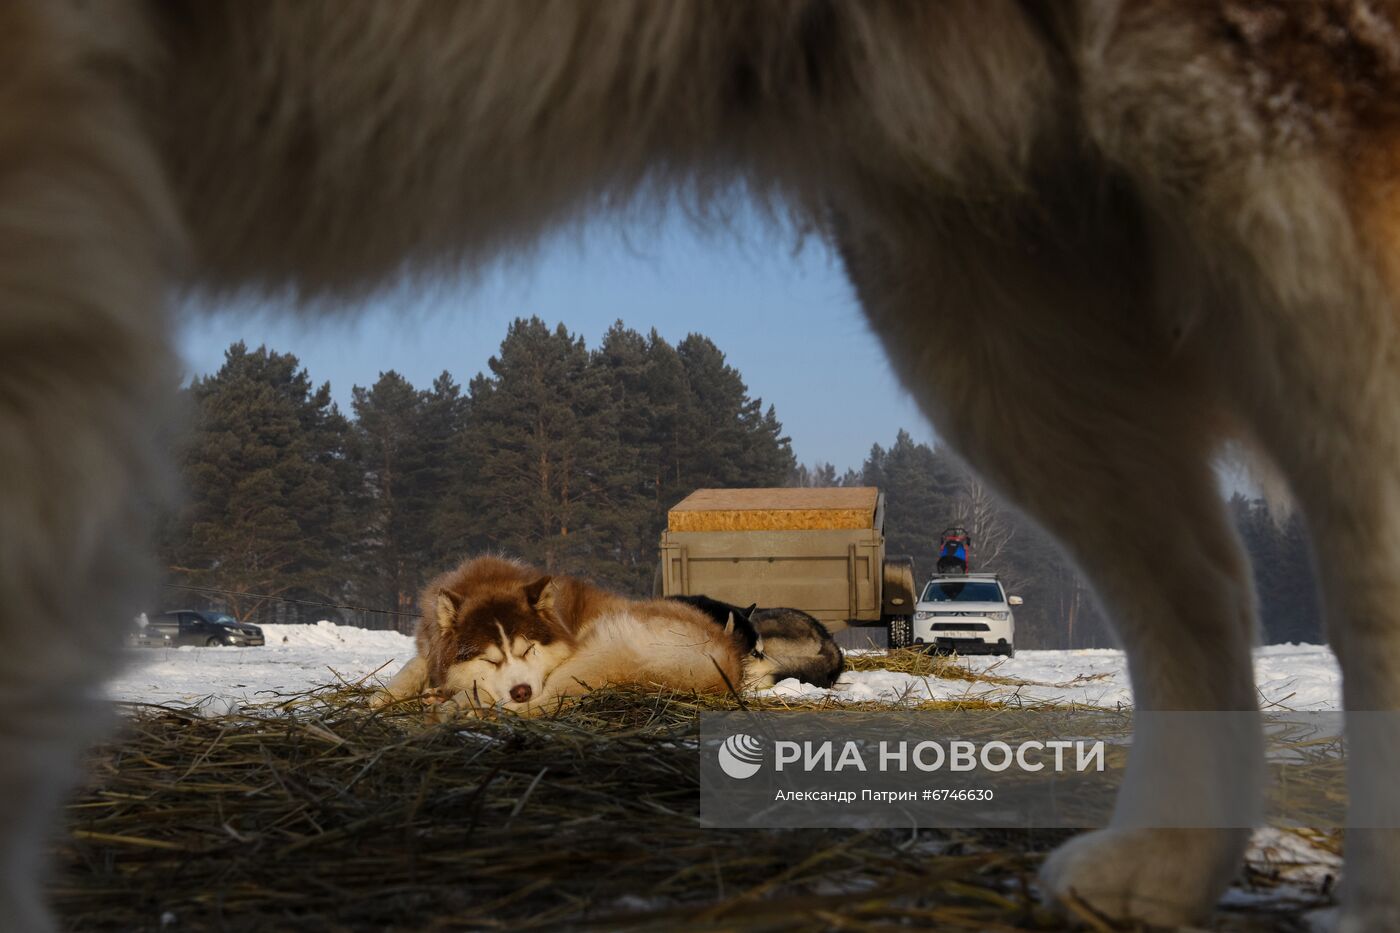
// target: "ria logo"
[[741, 756]]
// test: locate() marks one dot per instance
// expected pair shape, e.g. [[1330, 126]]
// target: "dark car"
[[195, 627]]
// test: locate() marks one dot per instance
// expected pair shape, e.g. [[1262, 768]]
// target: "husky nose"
[[520, 693]]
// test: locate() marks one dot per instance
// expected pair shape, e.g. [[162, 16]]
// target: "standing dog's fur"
[[1098, 239], [497, 634]]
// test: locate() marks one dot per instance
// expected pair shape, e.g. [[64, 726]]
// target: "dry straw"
[[313, 813]]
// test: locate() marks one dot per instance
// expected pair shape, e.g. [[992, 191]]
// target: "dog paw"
[[381, 698], [1163, 877], [440, 708]]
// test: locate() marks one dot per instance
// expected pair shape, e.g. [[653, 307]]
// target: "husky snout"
[[521, 693]]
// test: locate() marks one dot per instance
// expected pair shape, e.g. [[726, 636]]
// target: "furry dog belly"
[[652, 644]]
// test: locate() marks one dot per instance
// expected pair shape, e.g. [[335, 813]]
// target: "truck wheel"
[[901, 630]]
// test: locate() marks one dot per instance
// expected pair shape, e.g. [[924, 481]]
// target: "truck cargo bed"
[[818, 550], [775, 510]]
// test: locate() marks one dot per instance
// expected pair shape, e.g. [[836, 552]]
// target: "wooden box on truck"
[[818, 550]]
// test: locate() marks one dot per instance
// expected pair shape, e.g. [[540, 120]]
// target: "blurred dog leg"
[[86, 235]]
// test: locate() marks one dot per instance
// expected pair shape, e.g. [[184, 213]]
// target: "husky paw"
[[446, 709], [381, 698], [1164, 877], [465, 706]]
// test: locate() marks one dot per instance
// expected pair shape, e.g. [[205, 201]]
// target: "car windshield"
[[962, 591], [225, 620]]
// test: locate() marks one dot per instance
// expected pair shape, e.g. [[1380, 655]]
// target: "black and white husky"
[[781, 643], [797, 645]]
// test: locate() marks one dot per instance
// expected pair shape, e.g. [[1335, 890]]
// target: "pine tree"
[[673, 475], [1298, 609], [442, 426], [817, 476], [628, 518], [1284, 580], [920, 485], [729, 439], [268, 481], [389, 454], [538, 429], [557, 455]]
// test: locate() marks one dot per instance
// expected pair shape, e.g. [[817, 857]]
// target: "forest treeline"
[[568, 457]]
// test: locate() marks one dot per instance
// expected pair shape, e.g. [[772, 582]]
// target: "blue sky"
[[785, 317]]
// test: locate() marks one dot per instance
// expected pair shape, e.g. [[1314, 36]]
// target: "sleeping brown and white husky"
[[499, 635], [1099, 239]]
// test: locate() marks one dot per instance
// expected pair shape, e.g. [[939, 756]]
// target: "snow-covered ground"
[[300, 657], [1301, 677], [295, 659]]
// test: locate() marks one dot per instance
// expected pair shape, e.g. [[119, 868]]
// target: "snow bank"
[[329, 635], [299, 657]]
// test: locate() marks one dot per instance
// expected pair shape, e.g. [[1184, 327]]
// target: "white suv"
[[967, 613]]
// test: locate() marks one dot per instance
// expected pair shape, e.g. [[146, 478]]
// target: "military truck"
[[818, 550]]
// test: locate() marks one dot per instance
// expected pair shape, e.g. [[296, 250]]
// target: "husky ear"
[[729, 626], [753, 607], [540, 594], [448, 603]]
